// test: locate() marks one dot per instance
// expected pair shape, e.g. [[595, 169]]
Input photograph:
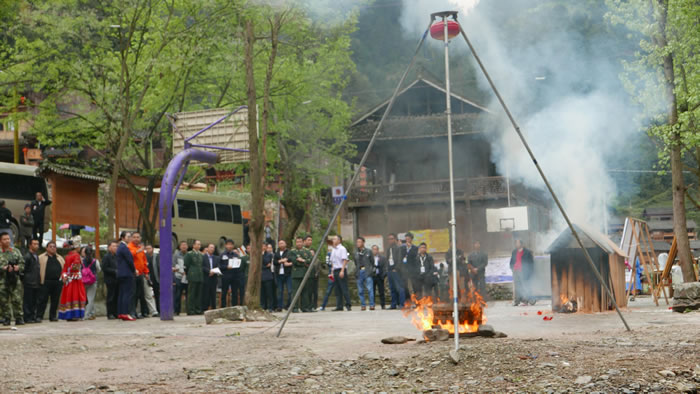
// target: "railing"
[[487, 187]]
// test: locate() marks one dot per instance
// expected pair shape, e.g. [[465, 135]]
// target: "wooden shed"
[[575, 287], [75, 197]]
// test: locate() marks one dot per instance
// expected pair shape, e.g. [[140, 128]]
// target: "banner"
[[438, 241]]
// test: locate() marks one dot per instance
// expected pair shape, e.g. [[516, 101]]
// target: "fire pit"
[[426, 314]]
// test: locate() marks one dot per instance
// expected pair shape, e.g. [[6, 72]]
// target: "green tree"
[[312, 117], [105, 73], [665, 78]]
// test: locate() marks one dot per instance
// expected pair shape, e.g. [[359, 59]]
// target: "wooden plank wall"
[[573, 279]]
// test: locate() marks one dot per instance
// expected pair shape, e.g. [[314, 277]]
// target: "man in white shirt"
[[339, 261]]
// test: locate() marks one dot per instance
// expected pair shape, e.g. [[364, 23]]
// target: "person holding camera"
[[11, 272]]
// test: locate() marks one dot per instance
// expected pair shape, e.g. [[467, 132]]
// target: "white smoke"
[[564, 92]]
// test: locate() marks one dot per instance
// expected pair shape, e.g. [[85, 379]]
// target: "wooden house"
[[405, 183]]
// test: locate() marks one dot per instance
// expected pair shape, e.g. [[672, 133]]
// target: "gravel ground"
[[341, 352]]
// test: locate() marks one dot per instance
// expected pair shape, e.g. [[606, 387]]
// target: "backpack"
[[88, 277]]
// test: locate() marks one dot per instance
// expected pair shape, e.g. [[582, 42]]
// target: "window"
[[205, 210], [237, 217], [21, 187], [223, 213], [186, 209]]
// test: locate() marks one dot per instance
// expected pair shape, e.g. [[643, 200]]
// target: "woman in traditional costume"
[[73, 298]]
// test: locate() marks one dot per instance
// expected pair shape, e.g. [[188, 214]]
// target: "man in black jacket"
[[38, 207], [364, 274], [410, 265], [522, 264], [211, 279], [153, 260], [109, 270], [126, 275], [393, 266], [32, 282], [478, 261], [380, 268], [283, 273], [427, 276]]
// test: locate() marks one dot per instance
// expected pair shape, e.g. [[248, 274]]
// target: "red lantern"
[[437, 30]]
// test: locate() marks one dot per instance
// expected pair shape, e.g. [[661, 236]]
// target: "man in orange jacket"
[[141, 265]]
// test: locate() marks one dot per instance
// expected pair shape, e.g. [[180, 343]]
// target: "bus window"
[[223, 213], [205, 210], [237, 218], [186, 209], [22, 187]]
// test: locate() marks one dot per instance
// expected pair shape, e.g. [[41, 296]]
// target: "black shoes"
[[19, 322], [6, 322]]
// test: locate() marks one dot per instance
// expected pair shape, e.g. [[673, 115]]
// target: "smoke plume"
[[561, 83]]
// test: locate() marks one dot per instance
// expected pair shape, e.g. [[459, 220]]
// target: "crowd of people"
[[206, 279], [31, 282], [412, 273]]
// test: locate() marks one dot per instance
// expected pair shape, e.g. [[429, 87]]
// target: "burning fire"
[[424, 316]]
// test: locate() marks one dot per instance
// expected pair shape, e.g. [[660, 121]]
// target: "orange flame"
[[423, 316]]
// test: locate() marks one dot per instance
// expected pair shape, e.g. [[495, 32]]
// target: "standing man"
[[313, 278], [339, 262], [179, 276], [141, 284], [233, 275], [6, 221], [393, 257], [283, 271], [126, 274], [267, 292], [109, 270], [32, 281], [154, 274], [38, 207], [330, 285], [522, 263], [410, 265], [50, 269], [477, 262], [26, 227], [195, 278], [301, 259], [427, 274], [11, 271], [462, 269], [210, 261], [379, 274], [365, 273]]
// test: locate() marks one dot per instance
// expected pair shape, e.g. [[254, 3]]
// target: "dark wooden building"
[[405, 185]]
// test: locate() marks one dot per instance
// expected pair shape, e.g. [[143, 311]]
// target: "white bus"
[[210, 218]]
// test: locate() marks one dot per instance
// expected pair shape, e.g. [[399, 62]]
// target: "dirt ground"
[[341, 352]]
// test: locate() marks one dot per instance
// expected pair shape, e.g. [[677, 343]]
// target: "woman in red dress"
[[73, 297]]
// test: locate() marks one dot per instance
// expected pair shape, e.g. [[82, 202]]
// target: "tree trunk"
[[680, 228], [113, 181], [257, 220]]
